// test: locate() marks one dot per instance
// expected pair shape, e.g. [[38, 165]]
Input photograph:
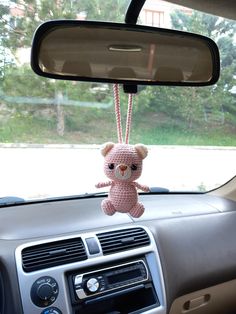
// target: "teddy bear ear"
[[106, 148], [141, 150]]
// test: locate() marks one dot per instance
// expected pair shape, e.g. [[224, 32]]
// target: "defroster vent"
[[122, 240], [53, 254]]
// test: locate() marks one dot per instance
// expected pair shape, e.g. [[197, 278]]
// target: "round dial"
[[51, 310], [44, 291], [92, 285]]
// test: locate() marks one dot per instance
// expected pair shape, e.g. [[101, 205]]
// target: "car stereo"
[[109, 279]]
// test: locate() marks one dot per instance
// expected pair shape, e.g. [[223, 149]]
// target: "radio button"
[[92, 285], [78, 280], [80, 294]]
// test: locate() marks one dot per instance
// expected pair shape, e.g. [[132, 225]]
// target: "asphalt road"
[[35, 172]]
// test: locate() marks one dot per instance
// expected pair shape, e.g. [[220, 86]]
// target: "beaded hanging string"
[[118, 115], [129, 115]]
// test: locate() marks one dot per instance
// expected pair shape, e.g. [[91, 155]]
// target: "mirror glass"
[[138, 54]]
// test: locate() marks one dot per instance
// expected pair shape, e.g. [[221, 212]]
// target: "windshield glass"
[[51, 131]]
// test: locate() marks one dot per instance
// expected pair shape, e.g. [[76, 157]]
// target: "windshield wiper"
[[157, 189], [160, 190], [11, 200], [14, 200]]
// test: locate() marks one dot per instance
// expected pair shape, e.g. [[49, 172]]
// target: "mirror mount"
[[133, 11], [130, 89], [131, 17]]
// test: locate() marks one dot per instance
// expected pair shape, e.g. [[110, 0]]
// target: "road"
[[52, 170]]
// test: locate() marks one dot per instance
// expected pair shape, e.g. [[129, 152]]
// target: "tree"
[[188, 106], [4, 12], [222, 31], [19, 32], [105, 10]]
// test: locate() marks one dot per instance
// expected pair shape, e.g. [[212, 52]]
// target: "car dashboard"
[[66, 256]]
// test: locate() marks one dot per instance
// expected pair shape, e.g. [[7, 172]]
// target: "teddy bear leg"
[[108, 208], [137, 210]]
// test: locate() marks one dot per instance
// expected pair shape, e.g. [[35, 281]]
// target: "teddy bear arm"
[[141, 187], [103, 184]]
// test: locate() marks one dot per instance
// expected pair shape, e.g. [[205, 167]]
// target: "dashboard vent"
[[53, 254], [122, 240]]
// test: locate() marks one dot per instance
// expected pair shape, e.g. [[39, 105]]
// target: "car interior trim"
[[26, 280]]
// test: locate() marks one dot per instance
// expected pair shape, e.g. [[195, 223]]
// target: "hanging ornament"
[[123, 165]]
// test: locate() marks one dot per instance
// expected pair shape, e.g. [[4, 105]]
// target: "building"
[[158, 13]]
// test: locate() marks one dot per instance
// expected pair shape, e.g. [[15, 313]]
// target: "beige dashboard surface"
[[219, 299]]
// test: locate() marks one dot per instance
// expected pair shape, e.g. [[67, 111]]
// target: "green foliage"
[[27, 128], [202, 187], [204, 24], [156, 128], [191, 104], [113, 11], [152, 129], [4, 11], [35, 12], [21, 81]]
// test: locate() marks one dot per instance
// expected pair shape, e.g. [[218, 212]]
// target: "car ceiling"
[[224, 8]]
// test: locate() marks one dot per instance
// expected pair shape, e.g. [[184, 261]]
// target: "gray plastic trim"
[[63, 301]]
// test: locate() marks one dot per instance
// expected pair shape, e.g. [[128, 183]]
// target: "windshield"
[[51, 131]]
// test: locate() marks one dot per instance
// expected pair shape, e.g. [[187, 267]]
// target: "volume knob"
[[45, 291], [92, 285]]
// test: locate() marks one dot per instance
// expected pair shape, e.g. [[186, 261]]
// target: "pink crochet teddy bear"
[[123, 165]]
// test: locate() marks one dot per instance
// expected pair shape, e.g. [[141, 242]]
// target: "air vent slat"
[[55, 247], [121, 233], [116, 249], [48, 254], [123, 237], [53, 254], [45, 261], [121, 240], [114, 245], [137, 238]]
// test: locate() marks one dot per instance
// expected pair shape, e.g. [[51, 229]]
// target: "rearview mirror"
[[120, 53]]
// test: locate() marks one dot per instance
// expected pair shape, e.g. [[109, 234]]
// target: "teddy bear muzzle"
[[122, 172]]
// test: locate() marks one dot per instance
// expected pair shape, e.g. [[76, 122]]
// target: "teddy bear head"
[[123, 162]]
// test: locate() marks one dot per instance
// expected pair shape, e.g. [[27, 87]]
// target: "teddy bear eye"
[[111, 166], [134, 167]]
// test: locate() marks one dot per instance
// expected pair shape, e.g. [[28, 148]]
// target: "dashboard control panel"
[[97, 285], [44, 291]]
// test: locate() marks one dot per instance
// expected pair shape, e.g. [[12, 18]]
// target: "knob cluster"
[[44, 291]]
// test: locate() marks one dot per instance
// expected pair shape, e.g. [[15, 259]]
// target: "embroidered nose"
[[123, 167]]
